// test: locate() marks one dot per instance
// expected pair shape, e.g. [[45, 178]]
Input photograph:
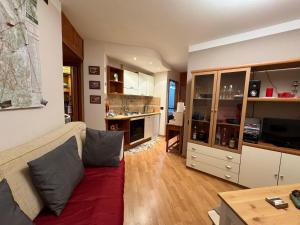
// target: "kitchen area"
[[131, 106]]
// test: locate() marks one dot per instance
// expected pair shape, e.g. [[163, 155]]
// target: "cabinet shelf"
[[272, 147], [201, 121], [203, 99], [229, 124], [271, 99], [117, 82], [226, 148]]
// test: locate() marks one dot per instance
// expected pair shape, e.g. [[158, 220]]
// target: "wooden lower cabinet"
[[213, 161], [289, 169]]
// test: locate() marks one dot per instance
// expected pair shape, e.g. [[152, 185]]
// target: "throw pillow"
[[56, 174], [102, 148], [10, 212]]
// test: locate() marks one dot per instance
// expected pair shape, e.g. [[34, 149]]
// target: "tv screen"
[[281, 132]]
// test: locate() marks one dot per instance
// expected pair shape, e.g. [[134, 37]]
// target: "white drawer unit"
[[216, 153], [206, 168], [213, 161]]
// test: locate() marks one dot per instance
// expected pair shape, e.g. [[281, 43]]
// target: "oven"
[[137, 129]]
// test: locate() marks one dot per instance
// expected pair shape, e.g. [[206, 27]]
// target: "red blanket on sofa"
[[98, 200]]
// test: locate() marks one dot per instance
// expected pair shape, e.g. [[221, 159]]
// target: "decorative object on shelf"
[[232, 143], [269, 92], [286, 95], [224, 92], [194, 137], [254, 88], [116, 77], [94, 85], [224, 137], [295, 87], [95, 99], [94, 70]]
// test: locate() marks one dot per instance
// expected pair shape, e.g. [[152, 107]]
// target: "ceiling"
[[169, 27]]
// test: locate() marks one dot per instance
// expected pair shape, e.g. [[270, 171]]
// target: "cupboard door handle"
[[194, 157], [193, 149], [281, 176], [193, 165], [275, 175], [228, 167], [229, 157], [228, 176]]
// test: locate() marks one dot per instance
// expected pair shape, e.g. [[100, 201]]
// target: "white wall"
[[21, 126], [94, 55], [160, 90], [272, 48]]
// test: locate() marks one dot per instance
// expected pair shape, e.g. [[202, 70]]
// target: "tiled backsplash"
[[133, 103]]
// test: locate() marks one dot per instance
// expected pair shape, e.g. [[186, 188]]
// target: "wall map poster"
[[20, 74]]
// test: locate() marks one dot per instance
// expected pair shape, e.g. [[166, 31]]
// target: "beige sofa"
[[13, 164]]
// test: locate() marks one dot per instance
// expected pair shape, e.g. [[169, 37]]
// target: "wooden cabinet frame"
[[215, 106]]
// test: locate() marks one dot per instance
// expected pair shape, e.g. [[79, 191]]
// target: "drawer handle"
[[194, 157], [228, 167], [193, 164], [229, 157], [193, 149], [228, 176], [281, 176]]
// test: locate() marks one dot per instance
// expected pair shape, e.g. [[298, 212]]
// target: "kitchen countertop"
[[122, 117]]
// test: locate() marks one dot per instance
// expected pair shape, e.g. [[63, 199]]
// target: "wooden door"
[[230, 109], [259, 167], [202, 108], [289, 169]]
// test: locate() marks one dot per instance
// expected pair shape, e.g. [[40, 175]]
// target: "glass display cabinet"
[[219, 101]]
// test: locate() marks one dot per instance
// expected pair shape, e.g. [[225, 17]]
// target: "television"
[[281, 132]]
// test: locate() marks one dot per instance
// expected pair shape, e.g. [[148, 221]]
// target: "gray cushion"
[[102, 148], [56, 174], [10, 212]]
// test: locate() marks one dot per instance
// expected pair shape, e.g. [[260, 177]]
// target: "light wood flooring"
[[161, 190]]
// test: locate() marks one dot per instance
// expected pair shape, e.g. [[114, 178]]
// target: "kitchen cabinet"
[[143, 84], [156, 123], [148, 127], [150, 86], [289, 169], [259, 167], [131, 83]]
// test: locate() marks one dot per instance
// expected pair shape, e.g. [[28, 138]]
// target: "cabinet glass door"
[[203, 89], [230, 109]]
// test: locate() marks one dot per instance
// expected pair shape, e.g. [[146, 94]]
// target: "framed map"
[[20, 74]]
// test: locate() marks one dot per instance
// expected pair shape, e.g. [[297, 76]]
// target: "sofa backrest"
[[13, 164]]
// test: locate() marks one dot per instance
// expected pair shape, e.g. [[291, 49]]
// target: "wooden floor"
[[160, 190]]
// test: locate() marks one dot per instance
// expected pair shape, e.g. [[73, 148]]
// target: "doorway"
[[173, 92], [73, 86]]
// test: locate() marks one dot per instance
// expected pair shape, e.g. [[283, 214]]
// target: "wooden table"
[[250, 207], [171, 132]]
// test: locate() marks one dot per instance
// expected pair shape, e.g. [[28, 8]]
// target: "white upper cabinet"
[[143, 84], [131, 79], [150, 85], [289, 169], [138, 84], [131, 83]]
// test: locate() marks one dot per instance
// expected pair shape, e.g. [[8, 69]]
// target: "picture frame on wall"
[[95, 99], [93, 84], [94, 70]]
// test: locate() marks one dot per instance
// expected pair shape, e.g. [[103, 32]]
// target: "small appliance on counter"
[[252, 130]]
